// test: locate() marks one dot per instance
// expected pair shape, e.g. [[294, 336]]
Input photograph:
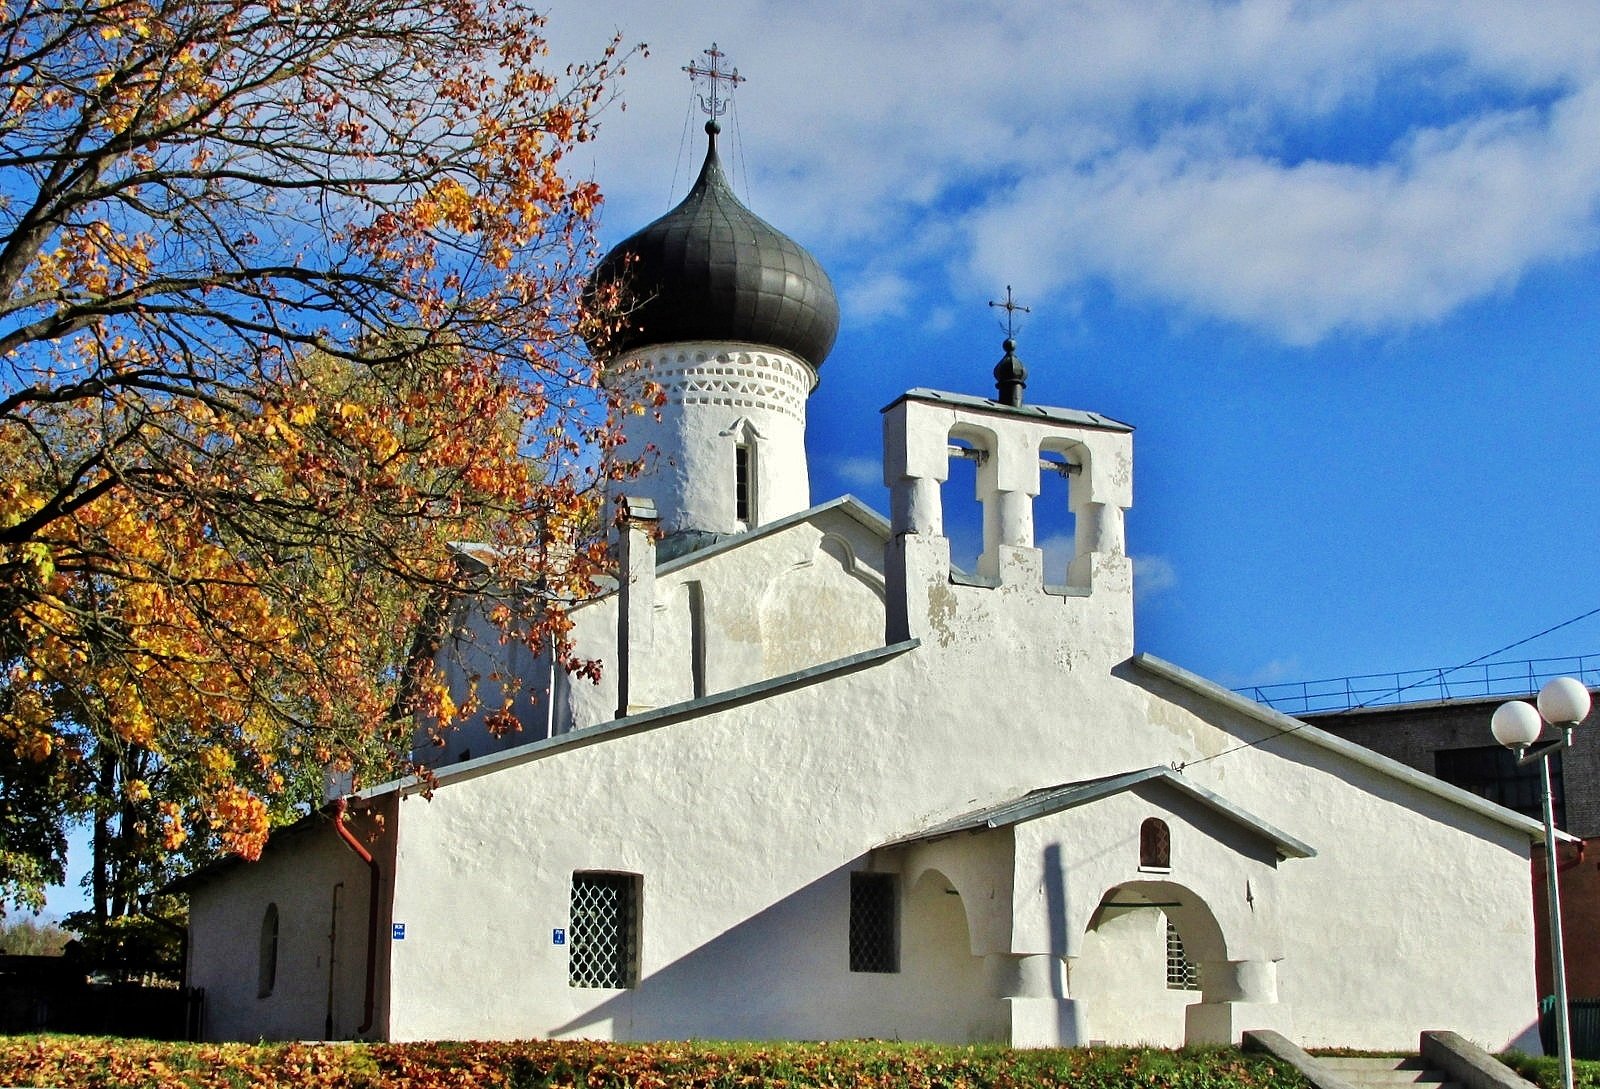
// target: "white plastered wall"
[[299, 876], [745, 822]]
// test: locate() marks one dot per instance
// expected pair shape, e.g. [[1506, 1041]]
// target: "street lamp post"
[[1563, 703]]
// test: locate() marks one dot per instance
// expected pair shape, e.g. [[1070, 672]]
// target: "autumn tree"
[[288, 306]]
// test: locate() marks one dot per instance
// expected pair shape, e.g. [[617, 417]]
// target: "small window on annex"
[[1155, 845], [267, 965], [603, 930], [874, 926]]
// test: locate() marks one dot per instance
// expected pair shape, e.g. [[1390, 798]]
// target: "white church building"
[[832, 786]]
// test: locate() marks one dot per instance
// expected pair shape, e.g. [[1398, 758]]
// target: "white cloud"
[[1058, 550], [876, 298], [1255, 162], [859, 472], [1152, 577], [1306, 249], [1277, 671]]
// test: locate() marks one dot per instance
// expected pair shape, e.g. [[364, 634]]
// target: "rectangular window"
[[874, 929], [1491, 771], [603, 930], [1181, 974]]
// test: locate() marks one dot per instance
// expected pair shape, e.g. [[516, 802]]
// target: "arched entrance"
[[1140, 962]]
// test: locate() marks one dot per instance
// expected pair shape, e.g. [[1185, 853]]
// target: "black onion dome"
[[711, 269]]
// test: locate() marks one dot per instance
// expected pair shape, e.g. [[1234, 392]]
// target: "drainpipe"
[[373, 873]]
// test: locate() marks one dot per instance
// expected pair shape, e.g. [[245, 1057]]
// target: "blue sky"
[[1339, 263]]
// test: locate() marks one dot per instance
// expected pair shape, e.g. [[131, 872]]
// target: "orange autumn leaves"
[[118, 1064], [289, 316]]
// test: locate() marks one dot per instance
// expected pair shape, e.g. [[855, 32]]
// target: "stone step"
[[1385, 1071]]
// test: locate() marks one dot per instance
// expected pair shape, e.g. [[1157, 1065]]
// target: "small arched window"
[[1155, 845], [267, 970]]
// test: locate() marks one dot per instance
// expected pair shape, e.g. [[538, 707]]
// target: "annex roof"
[[1057, 799]]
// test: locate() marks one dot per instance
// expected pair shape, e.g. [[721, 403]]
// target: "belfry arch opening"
[[1054, 524], [959, 502]]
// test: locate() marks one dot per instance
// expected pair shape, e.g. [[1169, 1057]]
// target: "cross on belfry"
[[1011, 307], [712, 101]]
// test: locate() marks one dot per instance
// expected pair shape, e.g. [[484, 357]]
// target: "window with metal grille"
[[1491, 771], [874, 935], [1181, 974], [743, 484], [603, 930], [1155, 845]]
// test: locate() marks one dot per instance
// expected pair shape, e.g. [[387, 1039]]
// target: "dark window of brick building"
[[1491, 771]]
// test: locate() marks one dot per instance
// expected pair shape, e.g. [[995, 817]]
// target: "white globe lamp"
[[1516, 725], [1564, 702]]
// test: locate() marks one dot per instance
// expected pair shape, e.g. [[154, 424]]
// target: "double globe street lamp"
[[1563, 703]]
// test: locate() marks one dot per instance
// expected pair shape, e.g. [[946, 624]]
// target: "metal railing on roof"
[[1482, 681]]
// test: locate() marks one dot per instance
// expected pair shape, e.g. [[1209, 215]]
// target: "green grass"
[[1545, 1071]]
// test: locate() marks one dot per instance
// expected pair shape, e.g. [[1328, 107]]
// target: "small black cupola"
[[1010, 376]]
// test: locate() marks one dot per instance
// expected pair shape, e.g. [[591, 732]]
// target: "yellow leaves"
[[36, 558], [129, 718], [303, 415], [94, 259], [137, 791], [217, 760], [454, 204], [241, 821], [173, 834], [36, 746], [110, 33]]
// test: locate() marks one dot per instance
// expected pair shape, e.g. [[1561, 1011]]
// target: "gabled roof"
[[1358, 754], [1057, 799], [845, 504]]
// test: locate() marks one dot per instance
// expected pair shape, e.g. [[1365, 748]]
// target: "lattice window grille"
[[874, 942], [603, 930], [1182, 975], [1155, 845]]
